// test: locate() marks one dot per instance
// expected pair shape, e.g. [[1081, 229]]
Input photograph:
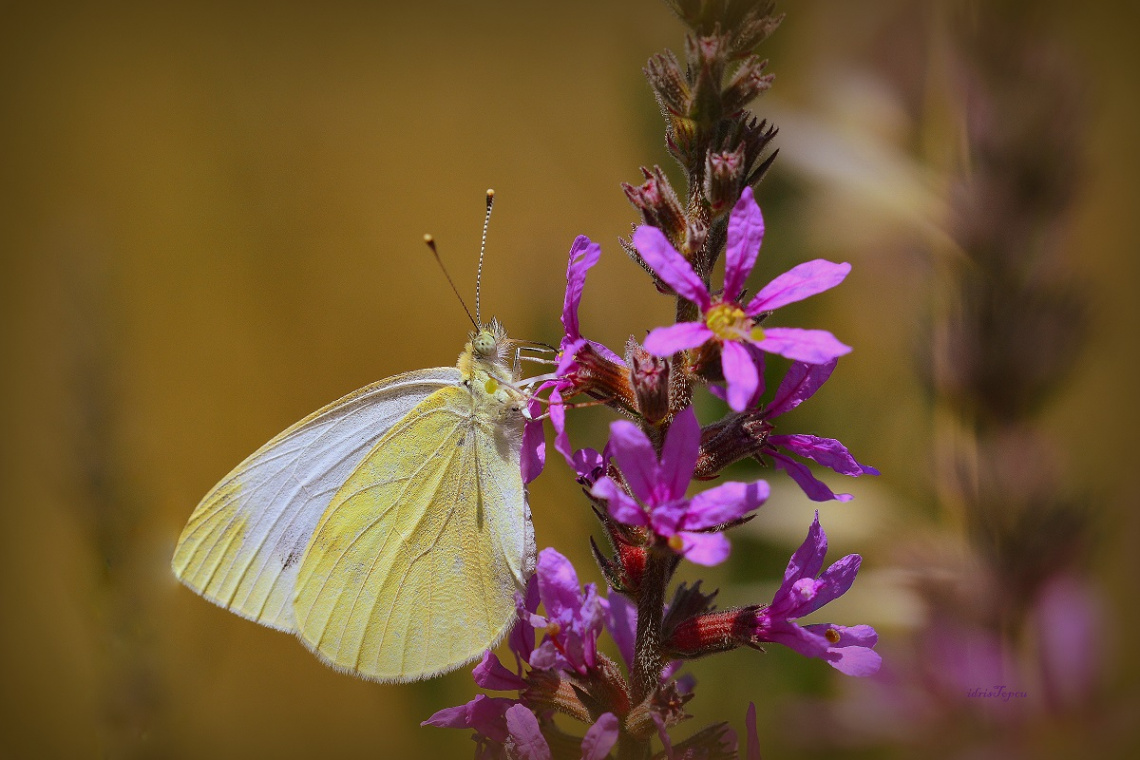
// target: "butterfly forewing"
[[414, 567], [243, 545]]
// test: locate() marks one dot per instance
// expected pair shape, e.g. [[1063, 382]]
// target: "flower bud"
[[601, 377], [736, 437], [706, 56], [658, 203], [747, 83], [649, 376], [709, 633], [669, 86], [724, 173], [666, 702]]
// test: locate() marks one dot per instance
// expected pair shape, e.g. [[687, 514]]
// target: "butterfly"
[[389, 530]]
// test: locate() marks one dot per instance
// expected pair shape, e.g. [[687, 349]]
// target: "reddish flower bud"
[[658, 203]]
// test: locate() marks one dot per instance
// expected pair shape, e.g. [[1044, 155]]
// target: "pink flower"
[[658, 501], [848, 650], [573, 617], [731, 324]]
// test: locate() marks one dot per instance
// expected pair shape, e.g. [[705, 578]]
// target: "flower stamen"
[[729, 322]]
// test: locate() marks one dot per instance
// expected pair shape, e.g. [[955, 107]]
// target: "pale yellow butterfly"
[[389, 530]]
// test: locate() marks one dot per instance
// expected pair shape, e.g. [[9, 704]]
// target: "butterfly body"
[[388, 530]]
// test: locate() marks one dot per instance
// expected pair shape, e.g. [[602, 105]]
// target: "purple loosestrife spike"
[[732, 325], [687, 526]]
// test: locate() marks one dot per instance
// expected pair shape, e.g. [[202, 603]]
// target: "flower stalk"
[[638, 484]]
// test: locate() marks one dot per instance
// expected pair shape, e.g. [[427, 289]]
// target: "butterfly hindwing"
[[243, 545], [413, 569]]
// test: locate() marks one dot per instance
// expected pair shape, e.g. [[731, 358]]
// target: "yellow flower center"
[[729, 322], [676, 543]]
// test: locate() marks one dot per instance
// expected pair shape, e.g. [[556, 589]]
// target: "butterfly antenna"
[[482, 250], [430, 241]]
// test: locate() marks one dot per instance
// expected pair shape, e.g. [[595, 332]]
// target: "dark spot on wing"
[[290, 560]]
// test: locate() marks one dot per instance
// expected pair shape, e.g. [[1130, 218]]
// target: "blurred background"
[[211, 225]]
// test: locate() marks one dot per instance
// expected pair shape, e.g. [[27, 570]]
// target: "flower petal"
[[636, 459], [600, 738], [587, 465], [621, 622], [826, 451], [583, 255], [605, 353], [752, 751], [852, 654], [834, 583], [557, 583], [492, 674], [810, 346], [799, 384], [622, 508], [855, 661], [741, 375], [533, 455], [663, 735], [815, 488], [670, 266], [451, 717], [530, 744], [798, 283], [558, 422], [483, 713], [666, 341], [704, 548], [745, 234], [521, 639], [679, 455], [808, 558], [568, 357], [724, 503]]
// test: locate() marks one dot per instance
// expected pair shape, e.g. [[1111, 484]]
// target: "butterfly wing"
[[242, 547], [413, 569]]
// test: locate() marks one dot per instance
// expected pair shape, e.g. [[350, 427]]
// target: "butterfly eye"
[[484, 344]]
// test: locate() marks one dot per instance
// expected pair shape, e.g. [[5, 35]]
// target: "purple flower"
[[573, 617], [848, 650], [800, 384], [574, 351], [734, 326], [485, 715], [527, 738], [600, 738], [658, 487]]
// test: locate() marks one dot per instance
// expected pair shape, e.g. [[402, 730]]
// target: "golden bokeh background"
[[210, 226]]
